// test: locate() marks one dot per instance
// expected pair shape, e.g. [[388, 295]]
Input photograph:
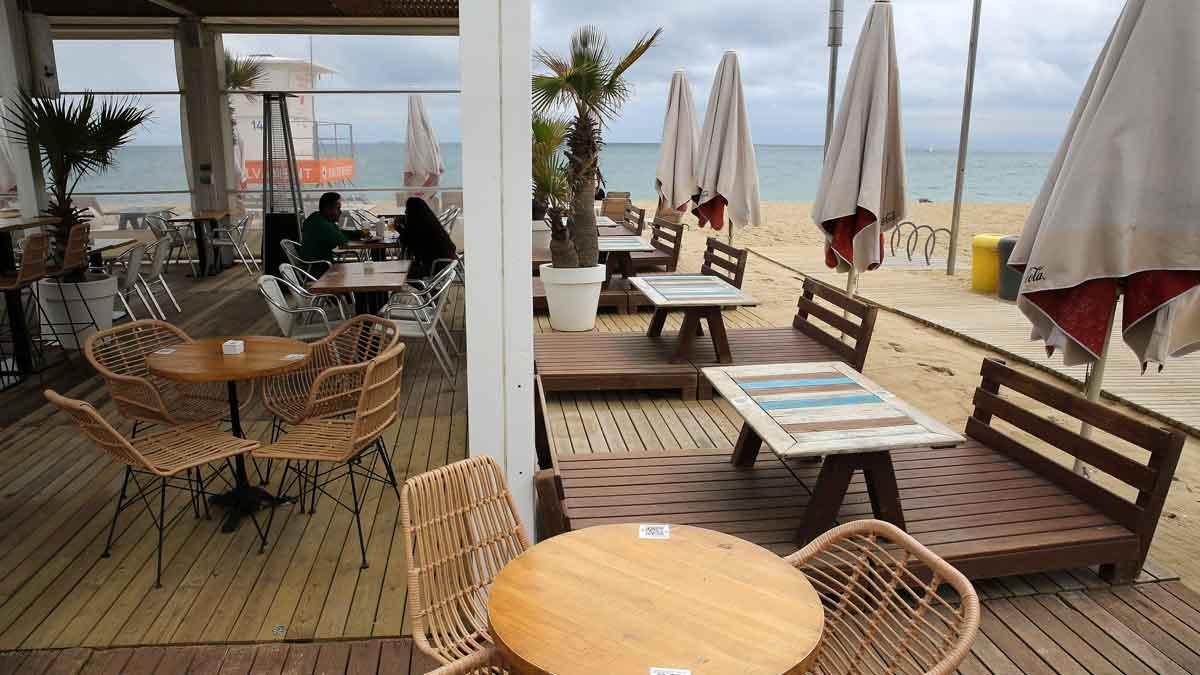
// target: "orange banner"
[[312, 171]]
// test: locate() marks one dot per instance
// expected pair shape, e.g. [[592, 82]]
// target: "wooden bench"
[[612, 362], [991, 506], [721, 260], [667, 239]]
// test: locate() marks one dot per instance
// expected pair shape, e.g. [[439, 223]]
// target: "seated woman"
[[425, 238]]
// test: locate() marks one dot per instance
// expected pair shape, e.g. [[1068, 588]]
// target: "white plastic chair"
[[155, 276], [234, 237], [303, 318]]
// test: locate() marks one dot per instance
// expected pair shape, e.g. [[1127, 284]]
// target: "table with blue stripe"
[[700, 297]]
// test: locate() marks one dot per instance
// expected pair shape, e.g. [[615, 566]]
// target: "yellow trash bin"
[[985, 262]]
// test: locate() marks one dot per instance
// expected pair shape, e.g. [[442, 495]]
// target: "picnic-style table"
[[652, 598], [827, 410], [202, 222], [371, 283], [618, 249], [698, 296], [203, 361]]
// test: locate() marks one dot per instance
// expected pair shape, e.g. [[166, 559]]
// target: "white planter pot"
[[573, 296], [96, 294]]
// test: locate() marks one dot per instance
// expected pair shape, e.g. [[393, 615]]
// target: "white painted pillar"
[[497, 162], [200, 64], [14, 77]]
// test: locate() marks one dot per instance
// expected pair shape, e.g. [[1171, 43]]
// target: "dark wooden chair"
[[634, 220], [848, 332], [667, 239], [614, 205], [725, 262]]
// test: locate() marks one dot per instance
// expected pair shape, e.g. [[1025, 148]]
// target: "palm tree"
[[550, 188], [589, 82], [242, 73], [75, 137]]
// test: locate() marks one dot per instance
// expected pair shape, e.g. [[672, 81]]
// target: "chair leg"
[[431, 337], [362, 545], [192, 493], [116, 512], [271, 517], [387, 464], [125, 304], [154, 299], [162, 280], [162, 525]]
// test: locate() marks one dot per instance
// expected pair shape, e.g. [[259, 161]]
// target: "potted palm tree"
[[589, 82], [549, 173], [75, 137]]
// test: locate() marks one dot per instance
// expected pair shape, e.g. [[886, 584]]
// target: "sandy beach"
[[933, 370]]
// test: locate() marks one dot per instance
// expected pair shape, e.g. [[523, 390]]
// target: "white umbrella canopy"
[[675, 177], [422, 155], [862, 190], [1120, 209], [726, 170]]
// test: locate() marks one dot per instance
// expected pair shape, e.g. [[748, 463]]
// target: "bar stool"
[[31, 271]]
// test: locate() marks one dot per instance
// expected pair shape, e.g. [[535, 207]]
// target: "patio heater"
[[283, 207]]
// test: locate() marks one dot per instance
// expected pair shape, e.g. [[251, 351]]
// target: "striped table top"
[[624, 242], [814, 409], [690, 290]]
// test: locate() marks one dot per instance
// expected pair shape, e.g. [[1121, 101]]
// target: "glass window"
[[116, 65]]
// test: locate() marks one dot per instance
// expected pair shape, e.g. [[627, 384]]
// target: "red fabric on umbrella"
[[712, 212], [843, 231]]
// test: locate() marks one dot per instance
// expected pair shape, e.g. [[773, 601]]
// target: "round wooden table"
[[203, 361], [606, 600]]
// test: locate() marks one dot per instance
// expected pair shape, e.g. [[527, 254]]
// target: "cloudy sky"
[[1034, 58]]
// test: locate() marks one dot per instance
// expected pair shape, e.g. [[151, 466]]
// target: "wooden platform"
[[1063, 622], [56, 591], [616, 299], [975, 507]]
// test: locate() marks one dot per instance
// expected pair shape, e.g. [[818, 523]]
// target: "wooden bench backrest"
[[614, 205], [839, 320], [667, 238], [1152, 480], [634, 220], [725, 262]]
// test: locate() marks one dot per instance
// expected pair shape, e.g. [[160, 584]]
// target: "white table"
[[827, 409], [698, 296]]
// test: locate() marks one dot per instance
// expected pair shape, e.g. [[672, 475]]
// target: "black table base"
[[244, 499]]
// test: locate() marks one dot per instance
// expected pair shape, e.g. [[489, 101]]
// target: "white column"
[[200, 63], [497, 162], [15, 77]]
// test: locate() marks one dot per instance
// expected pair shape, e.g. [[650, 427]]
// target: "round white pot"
[[573, 295], [97, 293]]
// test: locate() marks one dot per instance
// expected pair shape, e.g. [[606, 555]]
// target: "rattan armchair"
[[344, 443], [489, 661], [461, 528], [157, 462], [884, 612], [119, 355]]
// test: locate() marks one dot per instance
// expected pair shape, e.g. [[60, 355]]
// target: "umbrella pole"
[[963, 137], [852, 282], [1094, 382], [836, 13]]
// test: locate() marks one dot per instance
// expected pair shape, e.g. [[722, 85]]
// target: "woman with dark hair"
[[425, 238]]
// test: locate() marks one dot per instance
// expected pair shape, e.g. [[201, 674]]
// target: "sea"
[[786, 173]]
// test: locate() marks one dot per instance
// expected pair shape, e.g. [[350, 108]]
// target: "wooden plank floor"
[[986, 320], [56, 591]]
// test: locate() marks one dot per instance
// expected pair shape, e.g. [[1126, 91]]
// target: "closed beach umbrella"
[[861, 193], [726, 171], [422, 155], [675, 178], [1118, 213]]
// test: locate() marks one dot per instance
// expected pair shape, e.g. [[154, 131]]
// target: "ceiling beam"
[[172, 7]]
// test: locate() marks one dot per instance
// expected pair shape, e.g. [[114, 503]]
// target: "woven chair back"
[[884, 613], [361, 339], [460, 529], [75, 256], [122, 351], [107, 439], [34, 250], [377, 407]]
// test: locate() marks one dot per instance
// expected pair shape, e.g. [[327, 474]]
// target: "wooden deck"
[[56, 591], [986, 320]]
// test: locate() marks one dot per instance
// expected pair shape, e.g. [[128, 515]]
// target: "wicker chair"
[[303, 394], [880, 616], [154, 462], [460, 528], [119, 355], [343, 442]]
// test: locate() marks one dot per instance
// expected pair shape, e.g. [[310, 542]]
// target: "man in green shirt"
[[321, 234]]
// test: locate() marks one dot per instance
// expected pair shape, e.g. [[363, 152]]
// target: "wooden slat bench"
[[633, 361], [992, 506]]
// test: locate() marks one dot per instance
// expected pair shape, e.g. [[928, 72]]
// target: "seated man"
[[321, 234]]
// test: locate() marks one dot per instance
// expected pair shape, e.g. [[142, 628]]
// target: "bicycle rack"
[[913, 239]]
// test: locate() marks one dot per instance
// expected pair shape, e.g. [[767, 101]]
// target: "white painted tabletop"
[[690, 290]]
